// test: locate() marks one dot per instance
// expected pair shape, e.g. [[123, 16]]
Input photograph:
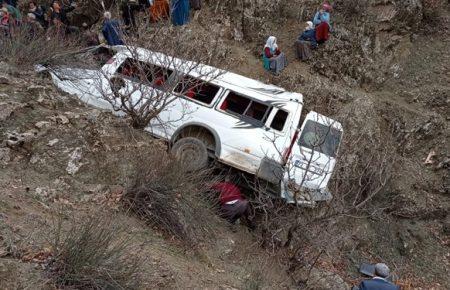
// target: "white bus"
[[240, 122]]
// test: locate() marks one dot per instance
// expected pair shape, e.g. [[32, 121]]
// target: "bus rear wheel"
[[191, 152]]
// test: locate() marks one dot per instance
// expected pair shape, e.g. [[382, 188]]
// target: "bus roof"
[[230, 80]]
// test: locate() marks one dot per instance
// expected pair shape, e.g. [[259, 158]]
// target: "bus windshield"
[[322, 138]]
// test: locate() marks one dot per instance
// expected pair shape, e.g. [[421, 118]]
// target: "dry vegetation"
[[167, 196], [93, 252], [23, 51]]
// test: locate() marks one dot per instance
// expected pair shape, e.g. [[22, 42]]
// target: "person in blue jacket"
[[111, 30], [379, 282], [323, 15], [180, 12]]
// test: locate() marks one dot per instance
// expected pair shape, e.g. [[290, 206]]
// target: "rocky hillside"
[[384, 74]]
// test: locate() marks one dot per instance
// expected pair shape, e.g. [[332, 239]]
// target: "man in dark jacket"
[[39, 12], [59, 17], [111, 30], [379, 282], [60, 13], [129, 9]]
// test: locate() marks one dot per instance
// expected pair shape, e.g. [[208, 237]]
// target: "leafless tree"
[[157, 66], [305, 236]]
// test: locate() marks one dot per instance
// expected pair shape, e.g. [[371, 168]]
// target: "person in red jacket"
[[233, 205]]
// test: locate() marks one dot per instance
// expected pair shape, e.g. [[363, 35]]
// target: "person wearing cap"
[[379, 282]]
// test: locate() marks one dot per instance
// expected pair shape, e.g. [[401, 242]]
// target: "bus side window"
[[240, 105], [196, 89], [236, 103], [138, 71], [279, 120]]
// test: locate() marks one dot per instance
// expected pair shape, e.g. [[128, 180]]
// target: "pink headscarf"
[[327, 7]]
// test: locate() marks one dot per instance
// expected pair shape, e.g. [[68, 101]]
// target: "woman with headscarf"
[[309, 34], [306, 41], [180, 12], [323, 15], [273, 59], [322, 23]]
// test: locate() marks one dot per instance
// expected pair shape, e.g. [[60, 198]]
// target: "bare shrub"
[[168, 197], [164, 66], [306, 237], [24, 49], [351, 9], [93, 253]]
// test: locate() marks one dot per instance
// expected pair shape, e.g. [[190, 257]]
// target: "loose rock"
[[74, 163], [7, 109], [4, 80], [5, 156], [51, 143]]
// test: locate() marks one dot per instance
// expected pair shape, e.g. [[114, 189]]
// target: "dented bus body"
[[243, 123]]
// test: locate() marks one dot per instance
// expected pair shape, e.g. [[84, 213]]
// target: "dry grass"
[[24, 51], [175, 201], [93, 253]]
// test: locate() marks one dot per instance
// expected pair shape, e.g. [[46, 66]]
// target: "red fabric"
[[322, 32], [327, 7], [224, 105], [228, 192], [5, 19], [268, 54], [190, 93], [159, 10], [159, 81]]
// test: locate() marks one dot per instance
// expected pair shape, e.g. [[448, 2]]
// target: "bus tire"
[[191, 152]]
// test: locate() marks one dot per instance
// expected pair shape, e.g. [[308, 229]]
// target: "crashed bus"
[[240, 122]]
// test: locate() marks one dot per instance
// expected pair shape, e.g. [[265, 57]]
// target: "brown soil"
[[412, 236]]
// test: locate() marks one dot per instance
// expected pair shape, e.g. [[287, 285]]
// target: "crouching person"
[[380, 281], [233, 205], [273, 59], [306, 41]]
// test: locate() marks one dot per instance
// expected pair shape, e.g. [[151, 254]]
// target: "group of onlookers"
[[38, 20], [177, 10], [315, 33], [53, 21]]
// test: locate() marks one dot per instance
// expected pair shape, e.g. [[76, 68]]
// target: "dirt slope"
[[79, 157]]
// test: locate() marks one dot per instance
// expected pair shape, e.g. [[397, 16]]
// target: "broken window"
[[197, 90], [139, 71], [279, 120], [240, 105]]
